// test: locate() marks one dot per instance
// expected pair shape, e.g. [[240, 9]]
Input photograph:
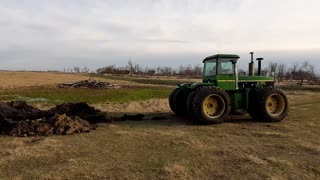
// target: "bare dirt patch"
[[148, 106]]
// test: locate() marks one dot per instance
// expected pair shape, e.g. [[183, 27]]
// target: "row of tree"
[[303, 72], [135, 69]]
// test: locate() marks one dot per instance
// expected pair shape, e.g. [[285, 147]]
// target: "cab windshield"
[[224, 66]]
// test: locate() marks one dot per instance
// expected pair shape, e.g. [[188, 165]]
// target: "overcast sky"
[[58, 34]]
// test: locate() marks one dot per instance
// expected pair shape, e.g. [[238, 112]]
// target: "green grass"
[[240, 148], [144, 80], [57, 95], [171, 149]]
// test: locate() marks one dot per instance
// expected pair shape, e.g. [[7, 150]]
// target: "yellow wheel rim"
[[275, 105], [213, 106]]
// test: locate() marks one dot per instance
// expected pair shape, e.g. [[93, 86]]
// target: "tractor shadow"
[[146, 119], [168, 119], [242, 119]]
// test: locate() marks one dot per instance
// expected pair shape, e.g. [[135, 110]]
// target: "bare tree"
[[197, 70], [265, 72], [188, 70], [158, 71], [85, 70], [76, 69], [130, 66], [272, 68], [292, 72], [281, 72], [181, 69], [166, 71], [137, 68], [303, 72]]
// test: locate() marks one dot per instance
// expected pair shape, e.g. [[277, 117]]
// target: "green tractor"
[[223, 92]]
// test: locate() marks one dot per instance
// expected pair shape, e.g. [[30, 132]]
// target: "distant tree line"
[[78, 70], [304, 72], [301, 73], [135, 69]]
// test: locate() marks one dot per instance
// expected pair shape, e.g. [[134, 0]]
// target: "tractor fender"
[[192, 86], [184, 87], [197, 85]]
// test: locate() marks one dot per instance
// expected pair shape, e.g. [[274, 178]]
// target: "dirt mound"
[[88, 84], [19, 110], [82, 110], [20, 119], [59, 124]]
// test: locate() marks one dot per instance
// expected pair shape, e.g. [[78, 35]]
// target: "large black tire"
[[177, 101], [253, 103], [190, 114], [210, 105], [268, 104], [171, 100]]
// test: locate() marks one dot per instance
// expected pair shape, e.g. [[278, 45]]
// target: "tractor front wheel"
[[210, 105], [270, 104]]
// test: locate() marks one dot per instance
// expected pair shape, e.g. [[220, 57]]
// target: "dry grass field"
[[11, 80], [241, 148]]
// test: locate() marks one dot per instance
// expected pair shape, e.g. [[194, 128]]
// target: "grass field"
[[241, 148], [155, 81], [58, 95]]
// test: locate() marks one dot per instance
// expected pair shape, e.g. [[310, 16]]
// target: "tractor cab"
[[221, 69]]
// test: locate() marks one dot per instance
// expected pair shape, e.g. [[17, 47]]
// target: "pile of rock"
[[20, 119], [88, 84]]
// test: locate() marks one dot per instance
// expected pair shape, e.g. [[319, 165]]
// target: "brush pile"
[[20, 119], [89, 84]]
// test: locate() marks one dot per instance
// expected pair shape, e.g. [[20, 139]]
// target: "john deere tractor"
[[223, 92]]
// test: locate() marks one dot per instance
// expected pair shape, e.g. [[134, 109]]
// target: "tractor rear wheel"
[[269, 104], [171, 100], [210, 105], [177, 101], [189, 108]]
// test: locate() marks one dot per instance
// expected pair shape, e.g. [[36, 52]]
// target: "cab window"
[[226, 67], [210, 68]]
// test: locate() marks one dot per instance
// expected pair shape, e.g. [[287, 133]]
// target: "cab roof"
[[218, 56]]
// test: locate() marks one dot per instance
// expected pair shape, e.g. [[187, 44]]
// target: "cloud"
[[164, 41], [66, 33]]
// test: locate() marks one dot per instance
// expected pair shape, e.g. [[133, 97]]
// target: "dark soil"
[[20, 119]]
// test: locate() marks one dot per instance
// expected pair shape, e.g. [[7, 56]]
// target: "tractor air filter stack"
[[259, 66], [251, 66]]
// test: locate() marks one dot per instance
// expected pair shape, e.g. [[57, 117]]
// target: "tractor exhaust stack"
[[259, 66], [251, 65]]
